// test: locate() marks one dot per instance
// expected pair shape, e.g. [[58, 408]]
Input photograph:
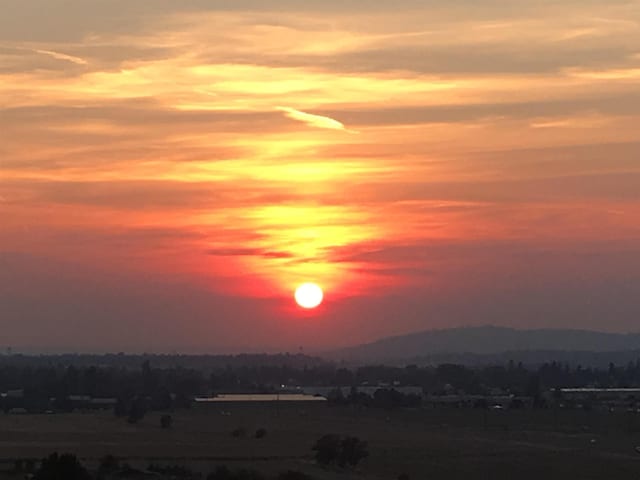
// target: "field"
[[425, 444]]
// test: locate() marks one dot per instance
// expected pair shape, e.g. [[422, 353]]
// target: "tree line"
[[174, 386]]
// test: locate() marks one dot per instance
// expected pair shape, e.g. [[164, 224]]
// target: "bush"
[[261, 433], [239, 433], [174, 471], [223, 473], [352, 451], [61, 467], [220, 473], [341, 451], [293, 475], [108, 465], [327, 449]]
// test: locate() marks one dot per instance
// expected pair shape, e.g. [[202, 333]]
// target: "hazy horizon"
[[171, 171]]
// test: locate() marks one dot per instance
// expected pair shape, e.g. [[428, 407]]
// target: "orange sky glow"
[[180, 167]]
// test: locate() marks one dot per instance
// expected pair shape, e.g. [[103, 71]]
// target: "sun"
[[309, 295]]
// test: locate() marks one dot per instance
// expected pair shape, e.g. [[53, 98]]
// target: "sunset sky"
[[170, 171]]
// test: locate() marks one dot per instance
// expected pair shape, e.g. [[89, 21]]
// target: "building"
[[478, 401], [596, 397], [258, 398]]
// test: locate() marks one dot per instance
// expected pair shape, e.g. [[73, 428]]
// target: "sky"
[[171, 171]]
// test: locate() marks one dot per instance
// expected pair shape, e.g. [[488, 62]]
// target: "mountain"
[[486, 341]]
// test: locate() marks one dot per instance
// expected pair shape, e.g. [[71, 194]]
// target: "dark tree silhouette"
[[166, 421], [61, 467], [327, 449], [138, 410], [352, 450], [108, 466]]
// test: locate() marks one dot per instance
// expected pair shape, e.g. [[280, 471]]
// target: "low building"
[[259, 398], [590, 397], [478, 401]]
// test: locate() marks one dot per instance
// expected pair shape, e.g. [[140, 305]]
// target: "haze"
[[171, 171]]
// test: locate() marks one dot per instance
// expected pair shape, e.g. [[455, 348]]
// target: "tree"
[[108, 465], [533, 389], [166, 421], [327, 449], [61, 467], [352, 450], [138, 410]]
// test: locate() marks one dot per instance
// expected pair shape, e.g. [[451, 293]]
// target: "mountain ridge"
[[488, 340]]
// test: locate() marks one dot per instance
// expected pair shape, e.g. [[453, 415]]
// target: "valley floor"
[[425, 444]]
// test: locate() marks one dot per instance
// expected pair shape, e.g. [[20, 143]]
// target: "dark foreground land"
[[425, 444]]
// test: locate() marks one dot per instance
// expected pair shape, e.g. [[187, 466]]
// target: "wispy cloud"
[[62, 56], [317, 121], [584, 120], [248, 252], [610, 74]]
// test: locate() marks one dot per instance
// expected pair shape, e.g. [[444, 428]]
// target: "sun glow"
[[309, 295]]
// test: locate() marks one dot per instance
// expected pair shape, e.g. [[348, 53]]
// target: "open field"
[[430, 444]]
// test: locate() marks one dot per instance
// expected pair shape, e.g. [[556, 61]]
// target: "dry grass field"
[[426, 444]]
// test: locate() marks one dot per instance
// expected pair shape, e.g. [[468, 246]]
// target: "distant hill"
[[477, 343]]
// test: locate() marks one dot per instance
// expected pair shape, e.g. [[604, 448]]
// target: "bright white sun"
[[309, 295]]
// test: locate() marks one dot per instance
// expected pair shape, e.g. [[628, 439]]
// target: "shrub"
[[261, 433], [341, 451], [174, 471], [220, 473], [223, 473], [327, 449], [293, 475], [108, 464], [239, 433], [352, 451], [58, 467]]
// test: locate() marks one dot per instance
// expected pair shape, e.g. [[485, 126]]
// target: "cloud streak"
[[62, 56], [315, 121]]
